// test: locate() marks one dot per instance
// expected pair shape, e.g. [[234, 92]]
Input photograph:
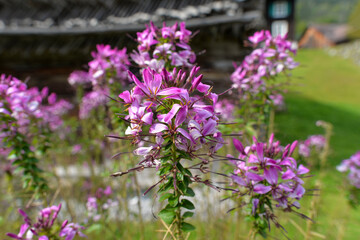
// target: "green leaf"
[[185, 155], [181, 168], [165, 196], [187, 181], [187, 204], [165, 169], [168, 185], [188, 214], [182, 187], [173, 201], [187, 227], [167, 215], [190, 193], [94, 228], [168, 145], [180, 176]]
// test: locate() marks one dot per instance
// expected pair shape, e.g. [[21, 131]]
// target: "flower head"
[[165, 47], [352, 165], [268, 174]]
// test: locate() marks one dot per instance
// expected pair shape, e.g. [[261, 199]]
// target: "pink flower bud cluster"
[[271, 57], [269, 175], [99, 205], [46, 227], [353, 166], [171, 106], [316, 142], [165, 47], [29, 105]]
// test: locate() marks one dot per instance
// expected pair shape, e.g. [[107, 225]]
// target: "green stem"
[[271, 121], [177, 194], [178, 217]]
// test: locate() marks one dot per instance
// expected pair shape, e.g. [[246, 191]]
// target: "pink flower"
[[164, 47], [352, 165], [71, 230], [269, 171]]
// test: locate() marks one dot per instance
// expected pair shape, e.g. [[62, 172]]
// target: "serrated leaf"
[[187, 227], [187, 204]]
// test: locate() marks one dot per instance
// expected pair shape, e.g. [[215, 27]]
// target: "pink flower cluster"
[[97, 205], [93, 100], [165, 47], [109, 66], [272, 57], [267, 173], [165, 105], [29, 105], [45, 227], [316, 142], [225, 108], [353, 166], [277, 100]]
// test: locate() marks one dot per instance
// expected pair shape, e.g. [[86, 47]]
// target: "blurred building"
[[280, 17], [47, 39], [324, 35]]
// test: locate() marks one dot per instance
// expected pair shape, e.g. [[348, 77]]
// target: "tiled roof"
[[69, 16], [334, 32]]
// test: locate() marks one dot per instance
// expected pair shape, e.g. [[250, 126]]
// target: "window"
[[280, 9], [280, 27]]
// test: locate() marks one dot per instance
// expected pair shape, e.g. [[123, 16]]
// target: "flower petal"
[[261, 188]]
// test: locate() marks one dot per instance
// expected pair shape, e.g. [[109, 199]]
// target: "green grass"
[[326, 88]]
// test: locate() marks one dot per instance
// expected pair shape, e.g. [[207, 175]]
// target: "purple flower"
[[255, 73], [269, 171], [79, 78], [71, 230], [20, 235], [46, 223], [313, 142], [352, 165], [167, 102], [164, 47], [91, 101], [225, 108]]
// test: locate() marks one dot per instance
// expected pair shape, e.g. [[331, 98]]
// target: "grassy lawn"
[[326, 88]]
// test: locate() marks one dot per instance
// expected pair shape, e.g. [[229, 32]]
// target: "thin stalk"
[[138, 192], [323, 158], [271, 121], [178, 218]]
